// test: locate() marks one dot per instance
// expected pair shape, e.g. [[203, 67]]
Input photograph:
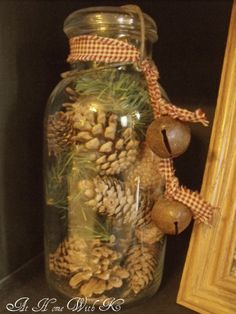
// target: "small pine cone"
[[149, 234], [109, 273], [109, 196], [69, 257], [110, 279], [141, 263], [145, 172], [100, 132], [60, 133], [76, 255]]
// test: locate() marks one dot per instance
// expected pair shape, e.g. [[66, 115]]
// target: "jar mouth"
[[106, 20]]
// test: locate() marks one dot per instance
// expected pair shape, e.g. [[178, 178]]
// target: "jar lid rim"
[[104, 15]]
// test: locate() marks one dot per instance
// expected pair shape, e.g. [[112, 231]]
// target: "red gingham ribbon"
[[202, 211], [109, 50]]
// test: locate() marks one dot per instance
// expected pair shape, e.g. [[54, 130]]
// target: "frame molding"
[[207, 285]]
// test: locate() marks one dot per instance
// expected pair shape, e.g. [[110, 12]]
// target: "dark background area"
[[33, 50]]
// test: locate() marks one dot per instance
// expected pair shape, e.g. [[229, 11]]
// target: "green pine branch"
[[119, 92]]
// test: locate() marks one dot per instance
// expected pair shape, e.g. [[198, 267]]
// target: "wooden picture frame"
[[208, 283]]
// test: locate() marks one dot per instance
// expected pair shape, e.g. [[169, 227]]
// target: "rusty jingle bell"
[[168, 137], [170, 216]]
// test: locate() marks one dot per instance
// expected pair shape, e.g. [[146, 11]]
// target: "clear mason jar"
[[101, 180]]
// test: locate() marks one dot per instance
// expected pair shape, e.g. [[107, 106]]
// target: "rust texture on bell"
[[171, 217], [168, 137]]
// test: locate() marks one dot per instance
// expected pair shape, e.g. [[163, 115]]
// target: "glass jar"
[[101, 180]]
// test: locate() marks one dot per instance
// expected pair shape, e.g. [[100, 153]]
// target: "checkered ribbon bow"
[[109, 50]]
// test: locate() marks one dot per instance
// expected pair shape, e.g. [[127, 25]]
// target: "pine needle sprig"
[[56, 186], [121, 93], [80, 166], [83, 166], [96, 228]]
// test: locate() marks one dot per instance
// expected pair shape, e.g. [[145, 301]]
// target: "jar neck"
[[120, 23], [80, 66], [85, 65]]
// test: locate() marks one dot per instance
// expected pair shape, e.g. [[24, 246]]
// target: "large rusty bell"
[[171, 216], [168, 137]]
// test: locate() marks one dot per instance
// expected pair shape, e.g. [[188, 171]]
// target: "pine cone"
[[69, 257], [146, 173], [93, 267], [60, 133], [141, 263], [109, 196], [112, 278], [115, 146]]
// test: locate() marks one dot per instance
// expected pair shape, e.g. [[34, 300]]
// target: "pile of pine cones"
[[123, 189], [94, 268]]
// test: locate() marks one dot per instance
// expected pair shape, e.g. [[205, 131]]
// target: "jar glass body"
[[101, 182]]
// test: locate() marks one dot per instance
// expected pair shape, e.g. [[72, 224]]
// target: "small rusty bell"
[[168, 137], [171, 217]]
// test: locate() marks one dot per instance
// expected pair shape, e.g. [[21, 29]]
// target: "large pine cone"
[[109, 196], [141, 263], [112, 141], [93, 267], [60, 133]]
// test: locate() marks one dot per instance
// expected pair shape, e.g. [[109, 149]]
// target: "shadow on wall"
[[22, 168], [28, 80]]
